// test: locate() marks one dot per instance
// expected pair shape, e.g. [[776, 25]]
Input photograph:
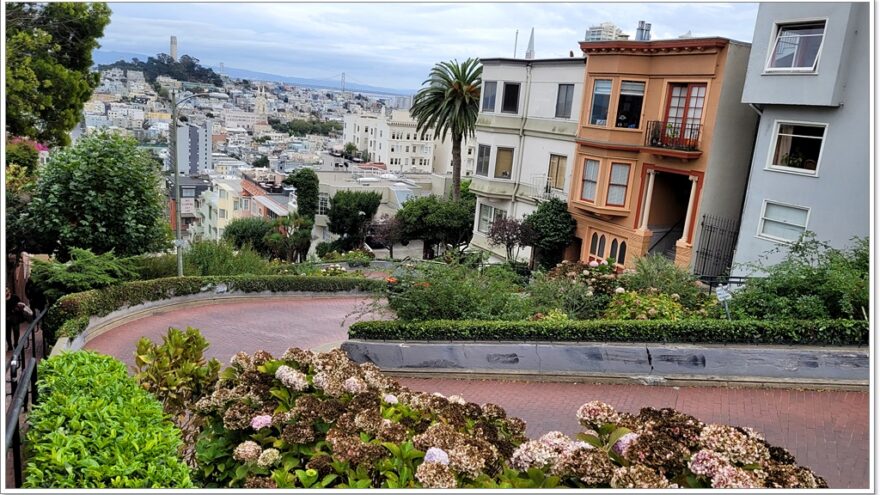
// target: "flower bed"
[[69, 316], [797, 332], [94, 427], [319, 420]]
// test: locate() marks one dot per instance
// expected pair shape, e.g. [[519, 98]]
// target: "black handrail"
[[669, 231], [673, 135]]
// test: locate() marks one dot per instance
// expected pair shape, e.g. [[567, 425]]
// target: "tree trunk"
[[391, 251], [456, 167]]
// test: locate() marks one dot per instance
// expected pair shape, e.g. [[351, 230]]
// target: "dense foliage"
[[207, 258], [95, 427], [351, 213], [550, 230], [813, 281], [510, 233], [102, 194], [636, 306], [290, 238], [448, 103], [250, 231], [658, 273], [581, 290], [186, 69], [69, 316], [48, 66], [306, 183], [318, 421], [300, 127], [387, 232], [84, 271], [436, 221], [789, 332], [453, 292]]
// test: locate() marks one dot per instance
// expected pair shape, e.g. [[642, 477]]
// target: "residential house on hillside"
[[525, 137], [809, 77], [664, 148]]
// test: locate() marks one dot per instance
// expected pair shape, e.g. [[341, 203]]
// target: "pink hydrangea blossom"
[[260, 422], [437, 455]]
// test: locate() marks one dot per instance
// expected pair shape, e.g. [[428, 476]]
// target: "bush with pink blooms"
[[320, 420]]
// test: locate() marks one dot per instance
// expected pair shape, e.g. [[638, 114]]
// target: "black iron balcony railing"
[[673, 135]]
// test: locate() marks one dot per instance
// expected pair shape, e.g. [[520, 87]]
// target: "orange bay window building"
[[663, 148]]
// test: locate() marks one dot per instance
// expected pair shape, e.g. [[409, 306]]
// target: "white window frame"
[[760, 235], [483, 99], [791, 170], [492, 214], [774, 37], [519, 95]]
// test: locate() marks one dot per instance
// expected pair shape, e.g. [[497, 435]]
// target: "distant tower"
[[174, 48], [221, 68], [260, 106], [530, 51], [643, 33]]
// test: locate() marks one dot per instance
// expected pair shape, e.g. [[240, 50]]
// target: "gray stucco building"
[[808, 77]]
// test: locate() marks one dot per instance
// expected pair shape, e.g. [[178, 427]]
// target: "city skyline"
[[266, 37]]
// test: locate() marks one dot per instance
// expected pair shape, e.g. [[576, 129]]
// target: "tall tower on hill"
[[173, 48]]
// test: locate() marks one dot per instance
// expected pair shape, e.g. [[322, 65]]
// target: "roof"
[[525, 61], [271, 205], [656, 46]]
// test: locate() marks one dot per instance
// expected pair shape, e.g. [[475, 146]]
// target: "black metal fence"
[[21, 390], [673, 135], [714, 255]]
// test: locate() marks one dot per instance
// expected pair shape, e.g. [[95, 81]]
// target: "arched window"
[[621, 255], [601, 251], [613, 253], [593, 241]]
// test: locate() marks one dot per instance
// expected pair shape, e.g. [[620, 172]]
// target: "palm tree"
[[449, 102]]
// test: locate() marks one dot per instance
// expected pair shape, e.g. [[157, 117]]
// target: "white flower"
[[619, 290], [437, 455], [390, 399]]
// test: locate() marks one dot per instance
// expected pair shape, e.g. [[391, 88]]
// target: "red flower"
[[391, 280]]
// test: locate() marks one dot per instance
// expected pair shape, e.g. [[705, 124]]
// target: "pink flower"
[[260, 422], [594, 264]]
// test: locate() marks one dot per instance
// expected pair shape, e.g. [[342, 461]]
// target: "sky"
[[393, 45]]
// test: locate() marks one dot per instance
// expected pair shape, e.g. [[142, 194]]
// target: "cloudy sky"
[[393, 45]]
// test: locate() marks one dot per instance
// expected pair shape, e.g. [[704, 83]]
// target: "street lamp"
[[178, 238]]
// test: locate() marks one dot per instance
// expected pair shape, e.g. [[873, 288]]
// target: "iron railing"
[[673, 135], [21, 377]]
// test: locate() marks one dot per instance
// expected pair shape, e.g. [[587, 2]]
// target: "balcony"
[[540, 187], [673, 139]]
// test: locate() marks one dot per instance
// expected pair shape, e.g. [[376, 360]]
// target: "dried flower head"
[[247, 451], [291, 378], [435, 475], [707, 463], [596, 413], [268, 457], [734, 477], [638, 476], [737, 446]]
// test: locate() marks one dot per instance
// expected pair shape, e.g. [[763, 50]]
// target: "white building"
[[525, 136], [607, 31], [239, 118]]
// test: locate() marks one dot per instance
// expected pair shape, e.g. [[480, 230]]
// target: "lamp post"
[[178, 237]]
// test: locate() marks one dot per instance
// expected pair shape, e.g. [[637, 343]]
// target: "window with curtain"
[[594, 242], [783, 222], [617, 184], [797, 46], [564, 97], [483, 152], [556, 172], [489, 89], [629, 104], [798, 146], [503, 163], [510, 99], [591, 177], [601, 100]]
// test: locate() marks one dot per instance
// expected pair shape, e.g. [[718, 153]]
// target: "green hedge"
[[806, 332], [70, 315], [94, 427]]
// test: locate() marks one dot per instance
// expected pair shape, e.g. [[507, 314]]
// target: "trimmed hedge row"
[[95, 427], [806, 332], [69, 316]]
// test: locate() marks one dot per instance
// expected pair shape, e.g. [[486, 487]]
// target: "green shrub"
[[149, 267], [577, 300], [793, 332], [69, 316], [659, 273], [358, 257], [813, 281], [211, 258], [323, 249], [635, 306], [84, 271], [251, 232], [456, 292], [94, 427]]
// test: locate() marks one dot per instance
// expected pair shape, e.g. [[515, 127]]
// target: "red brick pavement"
[[827, 431]]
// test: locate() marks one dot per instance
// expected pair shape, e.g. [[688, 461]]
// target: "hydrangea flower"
[[594, 264], [390, 399], [247, 451], [269, 457], [291, 378], [622, 444], [354, 385], [260, 422], [435, 475], [437, 455], [596, 414], [707, 463], [619, 290]]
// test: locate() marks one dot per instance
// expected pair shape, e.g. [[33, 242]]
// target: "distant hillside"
[[107, 57], [187, 69]]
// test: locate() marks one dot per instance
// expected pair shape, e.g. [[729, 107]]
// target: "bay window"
[[601, 100], [617, 184]]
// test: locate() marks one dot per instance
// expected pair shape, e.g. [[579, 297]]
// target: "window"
[[323, 203], [782, 222], [488, 215], [503, 163], [621, 253], [601, 99], [613, 252], [245, 204], [489, 89], [188, 192], [556, 173], [629, 104], [594, 242], [591, 177], [617, 184], [222, 194], [798, 147], [483, 152], [797, 47], [222, 213], [600, 251], [564, 97], [684, 110], [510, 100]]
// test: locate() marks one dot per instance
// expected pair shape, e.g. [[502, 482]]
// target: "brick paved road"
[[827, 431]]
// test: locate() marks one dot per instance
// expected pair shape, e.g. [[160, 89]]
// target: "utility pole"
[[178, 239]]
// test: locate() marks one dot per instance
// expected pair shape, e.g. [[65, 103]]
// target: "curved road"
[[827, 431]]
